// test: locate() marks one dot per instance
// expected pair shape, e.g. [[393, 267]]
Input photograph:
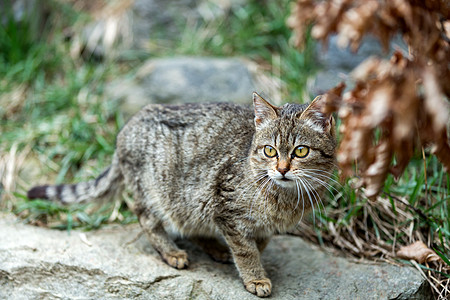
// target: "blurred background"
[[73, 71]]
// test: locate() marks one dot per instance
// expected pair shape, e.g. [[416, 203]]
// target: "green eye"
[[301, 152], [269, 151]]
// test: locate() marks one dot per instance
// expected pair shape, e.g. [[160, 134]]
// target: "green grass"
[[59, 123]]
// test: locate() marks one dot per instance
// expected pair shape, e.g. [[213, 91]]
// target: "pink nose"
[[283, 171]]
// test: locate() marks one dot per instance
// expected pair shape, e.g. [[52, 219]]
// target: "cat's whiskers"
[[307, 193], [311, 176], [317, 198], [319, 178], [327, 186], [317, 181], [299, 193], [258, 191], [303, 201], [250, 182], [318, 172], [327, 175]]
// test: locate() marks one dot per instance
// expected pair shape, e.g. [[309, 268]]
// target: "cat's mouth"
[[285, 182], [282, 180]]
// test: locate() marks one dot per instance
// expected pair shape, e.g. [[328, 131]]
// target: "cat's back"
[[184, 116], [187, 132], [197, 118]]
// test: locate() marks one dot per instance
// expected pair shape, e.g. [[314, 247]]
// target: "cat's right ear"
[[264, 111]]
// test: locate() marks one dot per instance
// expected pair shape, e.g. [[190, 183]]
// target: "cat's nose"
[[283, 171]]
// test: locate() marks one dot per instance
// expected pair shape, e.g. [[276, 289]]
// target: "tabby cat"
[[217, 172]]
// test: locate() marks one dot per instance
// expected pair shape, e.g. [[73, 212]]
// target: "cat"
[[217, 172]]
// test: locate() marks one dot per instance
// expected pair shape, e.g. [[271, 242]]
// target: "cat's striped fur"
[[107, 184], [221, 170]]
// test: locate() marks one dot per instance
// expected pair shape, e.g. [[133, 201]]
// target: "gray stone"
[[337, 63], [38, 263], [192, 79]]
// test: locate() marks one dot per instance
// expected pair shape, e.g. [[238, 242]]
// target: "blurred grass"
[[57, 126]]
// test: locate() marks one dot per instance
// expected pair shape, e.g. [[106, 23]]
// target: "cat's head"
[[294, 145]]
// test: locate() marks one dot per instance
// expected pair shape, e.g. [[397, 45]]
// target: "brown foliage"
[[387, 100], [397, 105], [419, 252]]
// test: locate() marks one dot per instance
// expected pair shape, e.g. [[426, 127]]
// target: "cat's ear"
[[314, 113], [264, 111]]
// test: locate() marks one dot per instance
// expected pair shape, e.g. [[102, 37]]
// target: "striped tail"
[[107, 184]]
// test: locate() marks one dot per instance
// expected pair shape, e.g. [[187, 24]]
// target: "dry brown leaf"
[[328, 15], [419, 252], [301, 13], [355, 23], [435, 103], [376, 173], [332, 98]]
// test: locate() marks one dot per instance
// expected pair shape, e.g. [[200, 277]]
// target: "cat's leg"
[[247, 259], [214, 248], [162, 243], [262, 243]]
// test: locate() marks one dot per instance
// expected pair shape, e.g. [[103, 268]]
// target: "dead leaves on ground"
[[419, 252]]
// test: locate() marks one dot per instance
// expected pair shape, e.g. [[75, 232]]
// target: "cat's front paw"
[[259, 287], [177, 259]]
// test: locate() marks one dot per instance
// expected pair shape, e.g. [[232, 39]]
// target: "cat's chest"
[[277, 213]]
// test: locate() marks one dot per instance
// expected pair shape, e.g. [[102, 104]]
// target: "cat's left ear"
[[264, 111], [314, 113]]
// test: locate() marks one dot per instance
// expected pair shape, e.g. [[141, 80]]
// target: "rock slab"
[[38, 263], [178, 80]]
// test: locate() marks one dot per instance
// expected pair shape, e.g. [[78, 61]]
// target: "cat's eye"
[[301, 152], [270, 152]]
